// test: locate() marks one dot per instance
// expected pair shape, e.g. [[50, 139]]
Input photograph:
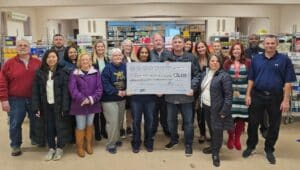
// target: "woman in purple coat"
[[86, 90]]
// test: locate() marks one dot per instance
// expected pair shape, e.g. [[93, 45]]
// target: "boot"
[[89, 139], [230, 142], [80, 142], [239, 129]]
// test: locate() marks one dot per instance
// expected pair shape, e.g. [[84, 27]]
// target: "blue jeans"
[[82, 121], [187, 114], [139, 107], [18, 108]]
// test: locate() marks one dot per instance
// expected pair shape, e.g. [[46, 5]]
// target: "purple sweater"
[[82, 86]]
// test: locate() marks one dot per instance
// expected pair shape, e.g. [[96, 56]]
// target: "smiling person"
[[99, 63], [216, 100], [113, 100], [50, 103], [16, 81], [238, 67], [58, 46], [182, 102], [143, 104], [269, 88], [86, 91], [70, 59]]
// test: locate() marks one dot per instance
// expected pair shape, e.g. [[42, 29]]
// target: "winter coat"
[[221, 100], [82, 86], [64, 122]]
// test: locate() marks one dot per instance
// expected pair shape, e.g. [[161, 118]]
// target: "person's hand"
[[159, 95], [38, 114], [190, 93], [121, 93], [285, 106], [5, 106], [85, 101], [248, 100]]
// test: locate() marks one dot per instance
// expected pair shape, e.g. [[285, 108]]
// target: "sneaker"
[[171, 145], [58, 154], [49, 155], [188, 151], [216, 160], [271, 158], [247, 152], [119, 143], [207, 150], [202, 139], [112, 150], [129, 131], [122, 133], [16, 151]]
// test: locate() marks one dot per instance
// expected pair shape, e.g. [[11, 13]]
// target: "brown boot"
[[80, 142], [89, 139]]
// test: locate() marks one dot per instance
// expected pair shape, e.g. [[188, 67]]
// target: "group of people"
[[76, 98]]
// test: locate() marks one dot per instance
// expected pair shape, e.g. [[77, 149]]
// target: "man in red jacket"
[[16, 80]]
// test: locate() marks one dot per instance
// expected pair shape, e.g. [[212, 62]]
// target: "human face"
[[158, 42], [72, 53], [117, 58], [58, 41], [51, 60], [214, 63], [178, 44], [237, 52], [23, 48], [217, 47], [100, 49], [85, 62], [270, 45], [188, 46], [253, 41], [127, 48], [201, 49], [144, 55]]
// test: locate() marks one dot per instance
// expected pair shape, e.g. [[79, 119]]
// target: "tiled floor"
[[287, 152]]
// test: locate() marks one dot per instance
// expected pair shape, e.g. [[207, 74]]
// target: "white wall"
[[289, 16], [100, 28], [16, 28]]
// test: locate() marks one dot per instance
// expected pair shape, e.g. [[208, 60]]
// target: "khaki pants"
[[114, 115]]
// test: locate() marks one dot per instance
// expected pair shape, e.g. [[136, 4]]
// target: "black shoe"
[[207, 150], [119, 144], [149, 149], [188, 151], [247, 152], [271, 158], [112, 150], [16, 151], [202, 139], [97, 136], [122, 133], [128, 131], [216, 160], [171, 145], [104, 134], [135, 150]]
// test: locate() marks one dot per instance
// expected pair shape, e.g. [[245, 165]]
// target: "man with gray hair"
[[160, 54], [16, 79]]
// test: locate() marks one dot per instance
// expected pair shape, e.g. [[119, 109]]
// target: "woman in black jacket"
[[216, 101], [50, 103]]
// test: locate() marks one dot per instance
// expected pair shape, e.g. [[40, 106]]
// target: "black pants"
[[201, 121], [160, 115], [260, 104], [99, 124], [51, 128], [216, 134]]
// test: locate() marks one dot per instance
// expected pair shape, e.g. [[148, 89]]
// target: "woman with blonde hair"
[[85, 88], [100, 60]]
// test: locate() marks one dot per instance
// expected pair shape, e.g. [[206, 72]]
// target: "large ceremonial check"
[[158, 78]]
